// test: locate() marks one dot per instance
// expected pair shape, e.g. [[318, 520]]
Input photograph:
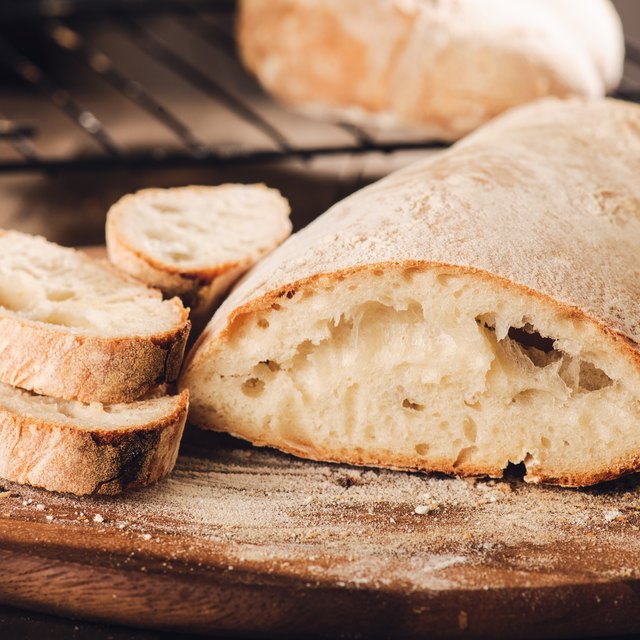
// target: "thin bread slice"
[[194, 242], [73, 327], [68, 446], [473, 310]]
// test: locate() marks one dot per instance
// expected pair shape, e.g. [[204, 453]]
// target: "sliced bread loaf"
[[194, 242], [476, 309], [73, 327], [64, 445]]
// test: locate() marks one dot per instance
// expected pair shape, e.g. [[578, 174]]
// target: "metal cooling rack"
[[151, 83]]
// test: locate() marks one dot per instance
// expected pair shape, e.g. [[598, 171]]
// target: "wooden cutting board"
[[251, 541]]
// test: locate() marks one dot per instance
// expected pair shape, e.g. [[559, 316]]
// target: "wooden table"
[[252, 541]]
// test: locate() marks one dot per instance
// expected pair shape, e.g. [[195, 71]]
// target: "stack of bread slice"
[[74, 334], [89, 354]]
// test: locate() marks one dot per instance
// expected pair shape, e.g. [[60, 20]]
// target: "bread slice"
[[194, 242], [445, 67], [472, 311], [73, 327], [67, 446]]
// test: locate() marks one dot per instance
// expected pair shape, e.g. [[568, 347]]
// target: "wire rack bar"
[[221, 158], [160, 51], [201, 21], [226, 44], [24, 68], [208, 20], [19, 10], [17, 134], [10, 129], [97, 61]]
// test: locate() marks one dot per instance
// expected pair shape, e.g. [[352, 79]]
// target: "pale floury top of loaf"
[[446, 65]]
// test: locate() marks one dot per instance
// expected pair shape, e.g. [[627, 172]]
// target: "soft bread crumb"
[[46, 283]]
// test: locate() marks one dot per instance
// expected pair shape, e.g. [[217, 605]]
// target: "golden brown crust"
[[61, 364], [198, 289], [82, 460]]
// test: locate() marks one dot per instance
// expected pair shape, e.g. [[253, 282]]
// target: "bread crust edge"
[[81, 460], [71, 366]]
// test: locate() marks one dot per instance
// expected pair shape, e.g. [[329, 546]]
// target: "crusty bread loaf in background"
[[448, 66], [194, 242], [64, 445], [75, 328], [476, 309]]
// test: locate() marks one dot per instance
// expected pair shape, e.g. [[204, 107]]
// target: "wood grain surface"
[[252, 541]]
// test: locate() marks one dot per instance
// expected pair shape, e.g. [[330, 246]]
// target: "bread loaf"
[[72, 327], [194, 242], [64, 445], [447, 66], [472, 311]]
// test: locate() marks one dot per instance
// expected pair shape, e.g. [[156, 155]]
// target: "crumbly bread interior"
[[43, 282], [194, 228], [429, 368], [92, 417]]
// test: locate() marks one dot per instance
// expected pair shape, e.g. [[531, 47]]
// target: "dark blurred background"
[[101, 97]]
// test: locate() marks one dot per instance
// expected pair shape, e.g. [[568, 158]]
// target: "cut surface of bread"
[[447, 66], [473, 311], [68, 446], [194, 242], [73, 327]]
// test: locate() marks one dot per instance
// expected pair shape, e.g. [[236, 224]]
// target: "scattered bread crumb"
[[98, 518], [423, 509], [463, 620]]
